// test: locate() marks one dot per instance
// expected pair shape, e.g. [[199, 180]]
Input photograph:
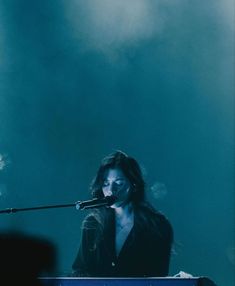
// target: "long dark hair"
[[130, 169]]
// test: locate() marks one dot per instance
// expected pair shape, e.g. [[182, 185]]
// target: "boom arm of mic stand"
[[14, 210]]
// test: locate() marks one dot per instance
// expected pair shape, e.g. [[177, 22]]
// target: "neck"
[[124, 213]]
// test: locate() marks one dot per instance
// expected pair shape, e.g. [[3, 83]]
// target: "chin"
[[117, 205]]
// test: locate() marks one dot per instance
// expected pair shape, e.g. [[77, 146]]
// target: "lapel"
[[109, 235]]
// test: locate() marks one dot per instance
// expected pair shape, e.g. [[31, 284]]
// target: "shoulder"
[[154, 220], [97, 218], [90, 221], [147, 210]]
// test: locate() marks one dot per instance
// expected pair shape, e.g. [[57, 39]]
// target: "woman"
[[129, 238]]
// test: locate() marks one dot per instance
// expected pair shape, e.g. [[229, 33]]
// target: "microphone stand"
[[14, 210], [80, 205]]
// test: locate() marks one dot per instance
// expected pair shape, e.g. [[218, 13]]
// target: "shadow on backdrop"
[[24, 258]]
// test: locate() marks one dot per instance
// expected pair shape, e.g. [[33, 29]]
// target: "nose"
[[110, 190]]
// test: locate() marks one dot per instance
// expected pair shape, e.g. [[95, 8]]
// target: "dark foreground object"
[[24, 258]]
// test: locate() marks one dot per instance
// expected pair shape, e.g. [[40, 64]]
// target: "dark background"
[[79, 79]]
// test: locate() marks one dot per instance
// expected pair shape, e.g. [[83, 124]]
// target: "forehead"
[[113, 174]]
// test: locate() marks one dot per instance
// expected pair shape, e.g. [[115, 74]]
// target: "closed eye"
[[105, 183], [119, 182]]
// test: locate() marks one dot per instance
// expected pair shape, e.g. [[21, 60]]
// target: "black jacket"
[[146, 251]]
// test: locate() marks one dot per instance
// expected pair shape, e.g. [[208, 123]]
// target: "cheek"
[[105, 191], [125, 192]]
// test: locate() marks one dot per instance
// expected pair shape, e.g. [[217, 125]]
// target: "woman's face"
[[115, 183]]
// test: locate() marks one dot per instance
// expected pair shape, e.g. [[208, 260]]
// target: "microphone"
[[96, 203]]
